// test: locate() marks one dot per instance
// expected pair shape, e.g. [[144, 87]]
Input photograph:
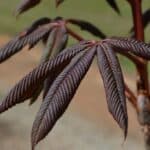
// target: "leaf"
[[25, 88], [138, 48], [11, 48], [114, 85], [18, 43], [36, 24], [56, 43], [87, 26], [60, 94], [26, 5], [59, 44], [60, 41], [146, 18], [39, 34], [114, 5], [58, 2]]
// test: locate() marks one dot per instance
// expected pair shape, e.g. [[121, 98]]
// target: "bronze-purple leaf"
[[26, 5], [36, 24], [114, 5], [146, 19], [87, 26], [59, 44], [60, 94], [46, 53], [18, 43], [25, 88], [39, 34], [60, 40], [131, 45], [114, 85], [56, 42], [11, 48]]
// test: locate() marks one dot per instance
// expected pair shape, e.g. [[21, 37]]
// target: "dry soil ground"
[[86, 125]]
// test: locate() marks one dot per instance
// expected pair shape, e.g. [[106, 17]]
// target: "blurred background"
[[87, 124]]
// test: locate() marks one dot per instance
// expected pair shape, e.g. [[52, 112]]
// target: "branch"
[[131, 97], [74, 35], [142, 68], [135, 59]]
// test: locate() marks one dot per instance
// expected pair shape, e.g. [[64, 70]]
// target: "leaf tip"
[[125, 127], [33, 144]]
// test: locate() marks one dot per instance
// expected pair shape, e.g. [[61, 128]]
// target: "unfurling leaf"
[[60, 94], [138, 48], [114, 85], [114, 5], [84, 25], [27, 86], [26, 5]]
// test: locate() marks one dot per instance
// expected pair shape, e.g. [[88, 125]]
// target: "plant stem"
[[142, 71], [143, 102], [74, 35], [130, 95]]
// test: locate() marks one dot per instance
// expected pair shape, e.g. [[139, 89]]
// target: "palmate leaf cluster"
[[62, 69], [66, 71]]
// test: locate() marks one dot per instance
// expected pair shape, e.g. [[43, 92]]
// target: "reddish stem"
[[136, 60], [74, 35], [131, 97], [138, 21], [142, 71]]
